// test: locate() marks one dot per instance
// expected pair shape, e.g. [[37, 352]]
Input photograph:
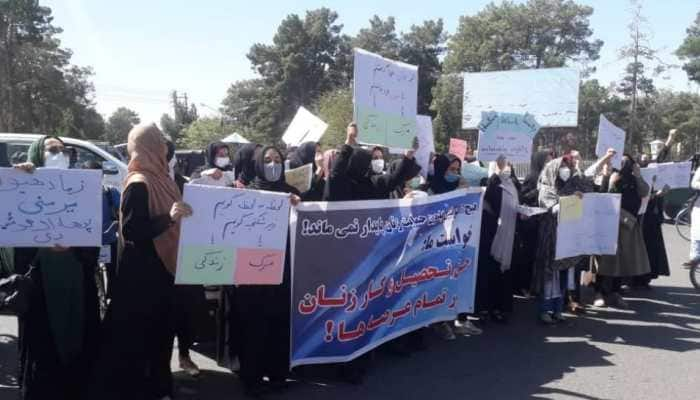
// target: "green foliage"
[[447, 106], [119, 124], [184, 114], [202, 132], [40, 91], [689, 51], [335, 108], [380, 38]]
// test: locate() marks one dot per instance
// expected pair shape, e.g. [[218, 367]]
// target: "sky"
[[142, 50]]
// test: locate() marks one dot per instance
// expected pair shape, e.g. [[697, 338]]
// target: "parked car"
[[17, 146]]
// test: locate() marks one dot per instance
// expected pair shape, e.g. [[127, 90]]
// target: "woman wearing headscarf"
[[310, 153], [244, 164], [58, 333], [631, 259], [378, 164], [526, 243], [262, 319], [652, 224], [496, 243], [552, 277], [135, 357]]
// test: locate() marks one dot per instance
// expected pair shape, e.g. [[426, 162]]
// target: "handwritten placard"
[[549, 94], [673, 175], [300, 177], [235, 236], [305, 127], [458, 147], [385, 100], [426, 143], [588, 226], [50, 207], [509, 135], [610, 137]]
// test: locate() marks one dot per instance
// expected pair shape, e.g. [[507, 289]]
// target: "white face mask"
[[564, 174], [222, 162], [378, 166], [171, 167], [273, 171], [57, 161]]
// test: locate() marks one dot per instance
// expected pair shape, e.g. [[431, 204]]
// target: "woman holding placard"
[[135, 357]]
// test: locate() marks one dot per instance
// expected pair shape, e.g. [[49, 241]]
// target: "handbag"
[[588, 277]]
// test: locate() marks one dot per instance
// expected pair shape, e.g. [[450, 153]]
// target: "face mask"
[[414, 183], [378, 166], [171, 167], [451, 177], [564, 174], [273, 172], [57, 161], [222, 162]]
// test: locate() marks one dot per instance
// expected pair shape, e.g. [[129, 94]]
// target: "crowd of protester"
[[67, 351]]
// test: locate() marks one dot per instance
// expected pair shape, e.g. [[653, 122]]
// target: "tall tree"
[[690, 51], [255, 107], [184, 114], [39, 90], [447, 106], [380, 38], [119, 124], [335, 109]]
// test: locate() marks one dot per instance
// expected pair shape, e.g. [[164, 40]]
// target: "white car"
[[81, 151]]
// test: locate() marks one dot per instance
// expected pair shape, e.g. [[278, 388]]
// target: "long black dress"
[[653, 235], [135, 355], [45, 370]]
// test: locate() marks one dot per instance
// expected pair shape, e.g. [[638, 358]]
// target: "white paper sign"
[[610, 137], [228, 178], [426, 143], [675, 175], [506, 134], [385, 100], [305, 127], [235, 236], [50, 207], [549, 94], [588, 226], [300, 177]]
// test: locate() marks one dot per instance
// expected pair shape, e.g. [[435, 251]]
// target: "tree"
[[379, 38], [423, 45], [537, 34], [690, 51], [39, 90], [254, 107], [202, 132], [303, 62], [447, 106], [184, 114], [335, 108], [119, 124]]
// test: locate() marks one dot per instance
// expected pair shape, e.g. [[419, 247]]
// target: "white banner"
[[588, 226], [50, 207], [426, 143], [550, 95], [675, 175], [235, 236], [610, 137], [305, 127]]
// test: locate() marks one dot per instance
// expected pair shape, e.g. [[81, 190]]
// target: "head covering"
[[304, 154], [537, 163], [171, 150], [147, 148], [259, 181], [437, 182], [210, 154], [244, 162], [627, 186], [35, 154], [359, 164], [328, 159]]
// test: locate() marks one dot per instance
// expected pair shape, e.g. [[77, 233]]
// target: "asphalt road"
[[649, 351]]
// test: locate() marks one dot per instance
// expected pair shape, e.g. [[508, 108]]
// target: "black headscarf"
[[627, 186], [304, 154], [244, 162], [412, 172], [259, 181], [437, 182], [530, 192], [359, 165], [211, 151]]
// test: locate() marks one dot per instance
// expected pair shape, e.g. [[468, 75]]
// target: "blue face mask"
[[451, 177]]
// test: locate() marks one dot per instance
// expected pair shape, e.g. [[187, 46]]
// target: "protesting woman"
[[499, 219], [552, 277], [135, 357], [59, 331], [310, 153], [244, 164], [262, 316], [631, 259]]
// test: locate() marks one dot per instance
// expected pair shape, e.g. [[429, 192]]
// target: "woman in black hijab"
[[262, 311], [526, 234], [446, 177], [351, 179], [310, 153], [244, 163]]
